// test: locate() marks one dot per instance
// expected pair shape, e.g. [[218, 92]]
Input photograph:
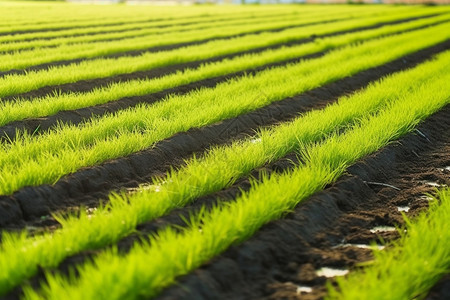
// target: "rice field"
[[224, 152]]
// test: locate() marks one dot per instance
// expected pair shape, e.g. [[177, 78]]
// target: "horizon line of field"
[[199, 140], [253, 213], [26, 59], [90, 84], [4, 199]]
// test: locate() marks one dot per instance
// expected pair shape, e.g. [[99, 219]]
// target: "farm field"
[[224, 152]]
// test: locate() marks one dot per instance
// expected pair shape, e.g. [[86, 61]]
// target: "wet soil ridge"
[[89, 185], [41, 125], [47, 66], [330, 229], [321, 231]]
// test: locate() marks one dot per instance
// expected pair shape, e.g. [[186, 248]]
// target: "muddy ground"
[[31, 206], [331, 229]]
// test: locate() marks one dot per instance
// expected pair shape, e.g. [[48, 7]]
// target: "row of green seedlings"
[[152, 29], [51, 104], [105, 67], [116, 276], [27, 58], [421, 87], [145, 23], [34, 160], [29, 20]]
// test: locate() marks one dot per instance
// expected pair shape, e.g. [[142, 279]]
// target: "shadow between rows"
[[87, 186], [293, 248], [47, 66], [285, 254]]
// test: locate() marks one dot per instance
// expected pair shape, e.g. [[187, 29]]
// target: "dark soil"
[[46, 66], [98, 25], [169, 47], [30, 206], [145, 24], [286, 254], [39, 125]]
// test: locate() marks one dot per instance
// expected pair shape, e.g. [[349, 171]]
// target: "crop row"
[[32, 160], [51, 104], [151, 29], [63, 52], [412, 265], [126, 276], [14, 84], [407, 89]]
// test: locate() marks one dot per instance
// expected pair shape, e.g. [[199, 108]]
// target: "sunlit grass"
[[48, 105], [221, 166]]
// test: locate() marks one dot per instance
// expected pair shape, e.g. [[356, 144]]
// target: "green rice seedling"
[[51, 104], [24, 59], [224, 165], [45, 158], [117, 276], [154, 30], [412, 265]]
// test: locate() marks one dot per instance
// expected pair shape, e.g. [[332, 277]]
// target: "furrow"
[[89, 185], [276, 143], [235, 223], [89, 85], [285, 254], [26, 59]]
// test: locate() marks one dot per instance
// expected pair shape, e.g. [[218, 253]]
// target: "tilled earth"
[[331, 229]]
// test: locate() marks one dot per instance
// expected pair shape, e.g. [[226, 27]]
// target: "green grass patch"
[[30, 160], [216, 170], [116, 276], [49, 105]]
